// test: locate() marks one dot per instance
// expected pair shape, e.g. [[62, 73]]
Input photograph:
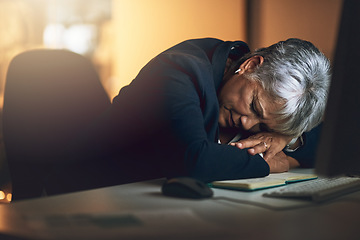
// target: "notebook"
[[272, 180]]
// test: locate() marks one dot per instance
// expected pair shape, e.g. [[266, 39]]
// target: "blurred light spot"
[[2, 195], [79, 38], [53, 35], [9, 197]]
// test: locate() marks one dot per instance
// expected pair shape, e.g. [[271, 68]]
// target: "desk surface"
[[140, 211]]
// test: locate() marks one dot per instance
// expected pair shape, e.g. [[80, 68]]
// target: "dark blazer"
[[165, 123]]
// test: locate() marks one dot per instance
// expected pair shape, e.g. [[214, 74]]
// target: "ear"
[[250, 63]]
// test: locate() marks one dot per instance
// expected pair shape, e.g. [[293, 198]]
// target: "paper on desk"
[[157, 224]]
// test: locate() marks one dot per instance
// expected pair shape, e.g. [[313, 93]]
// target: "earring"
[[237, 71]]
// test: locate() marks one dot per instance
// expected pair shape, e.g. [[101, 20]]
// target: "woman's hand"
[[293, 163], [279, 163], [268, 143]]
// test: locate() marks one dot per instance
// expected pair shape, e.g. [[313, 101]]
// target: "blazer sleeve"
[[193, 114]]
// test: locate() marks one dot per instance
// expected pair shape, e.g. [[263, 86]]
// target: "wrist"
[[294, 144]]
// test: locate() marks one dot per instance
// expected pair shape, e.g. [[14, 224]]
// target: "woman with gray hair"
[[295, 76], [194, 108]]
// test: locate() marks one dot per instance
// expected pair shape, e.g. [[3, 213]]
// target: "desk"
[[140, 211]]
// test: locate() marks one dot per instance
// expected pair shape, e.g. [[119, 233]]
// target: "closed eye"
[[253, 108]]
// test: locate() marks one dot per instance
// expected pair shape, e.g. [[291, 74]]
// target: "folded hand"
[[279, 163], [269, 143]]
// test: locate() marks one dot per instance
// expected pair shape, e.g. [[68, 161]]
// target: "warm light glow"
[[143, 29], [9, 197], [2, 195], [53, 35], [282, 19], [79, 38], [121, 36]]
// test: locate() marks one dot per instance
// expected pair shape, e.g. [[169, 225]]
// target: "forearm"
[[220, 162]]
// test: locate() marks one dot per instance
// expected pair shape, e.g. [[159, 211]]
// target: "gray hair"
[[296, 73]]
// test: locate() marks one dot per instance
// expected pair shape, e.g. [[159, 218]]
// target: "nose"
[[249, 122]]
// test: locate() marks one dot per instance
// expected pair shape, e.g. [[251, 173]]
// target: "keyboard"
[[318, 190]]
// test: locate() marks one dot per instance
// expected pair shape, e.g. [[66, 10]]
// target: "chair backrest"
[[50, 96]]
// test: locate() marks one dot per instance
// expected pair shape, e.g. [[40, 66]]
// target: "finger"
[[259, 148], [247, 143], [269, 154]]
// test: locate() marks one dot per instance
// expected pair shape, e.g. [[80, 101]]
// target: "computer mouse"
[[186, 187]]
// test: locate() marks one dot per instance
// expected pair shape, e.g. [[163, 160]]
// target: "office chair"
[[50, 97]]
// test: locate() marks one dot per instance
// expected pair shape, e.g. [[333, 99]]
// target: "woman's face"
[[245, 105]]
